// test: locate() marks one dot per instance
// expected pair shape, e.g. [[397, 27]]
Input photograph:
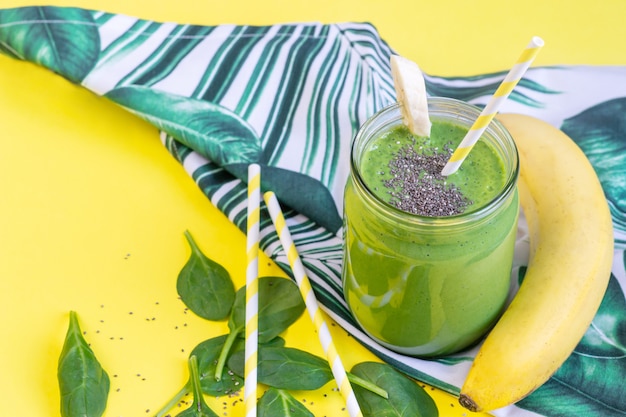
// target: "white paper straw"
[[338, 370], [508, 84], [252, 291]]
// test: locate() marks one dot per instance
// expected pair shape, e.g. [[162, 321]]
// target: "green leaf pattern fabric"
[[290, 97]]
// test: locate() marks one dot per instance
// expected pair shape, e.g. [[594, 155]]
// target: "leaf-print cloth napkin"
[[291, 97]]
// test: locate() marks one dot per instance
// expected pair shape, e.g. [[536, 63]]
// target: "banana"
[[410, 89], [571, 252]]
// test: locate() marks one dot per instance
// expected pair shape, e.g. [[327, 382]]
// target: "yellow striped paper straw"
[[252, 290], [490, 110], [338, 370]]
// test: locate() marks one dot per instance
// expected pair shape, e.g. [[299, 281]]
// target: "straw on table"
[[252, 290], [490, 110], [312, 306]]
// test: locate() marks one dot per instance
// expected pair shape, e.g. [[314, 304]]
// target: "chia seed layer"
[[418, 187]]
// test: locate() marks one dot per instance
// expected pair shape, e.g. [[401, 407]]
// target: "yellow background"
[[93, 208]]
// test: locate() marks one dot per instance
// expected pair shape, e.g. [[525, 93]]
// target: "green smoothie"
[[428, 285], [480, 178]]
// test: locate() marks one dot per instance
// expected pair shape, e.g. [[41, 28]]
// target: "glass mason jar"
[[428, 286]]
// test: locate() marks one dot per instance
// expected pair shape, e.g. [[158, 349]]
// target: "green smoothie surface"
[[399, 153]]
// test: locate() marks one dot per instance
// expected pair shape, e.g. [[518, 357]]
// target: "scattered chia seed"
[[418, 187]]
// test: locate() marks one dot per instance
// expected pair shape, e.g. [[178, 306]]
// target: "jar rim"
[[391, 116]]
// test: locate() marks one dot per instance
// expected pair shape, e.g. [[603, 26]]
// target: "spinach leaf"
[[277, 402], [280, 305], [286, 368], [198, 408], [294, 369], [208, 353], [83, 384], [237, 319], [406, 398], [204, 285], [275, 342]]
